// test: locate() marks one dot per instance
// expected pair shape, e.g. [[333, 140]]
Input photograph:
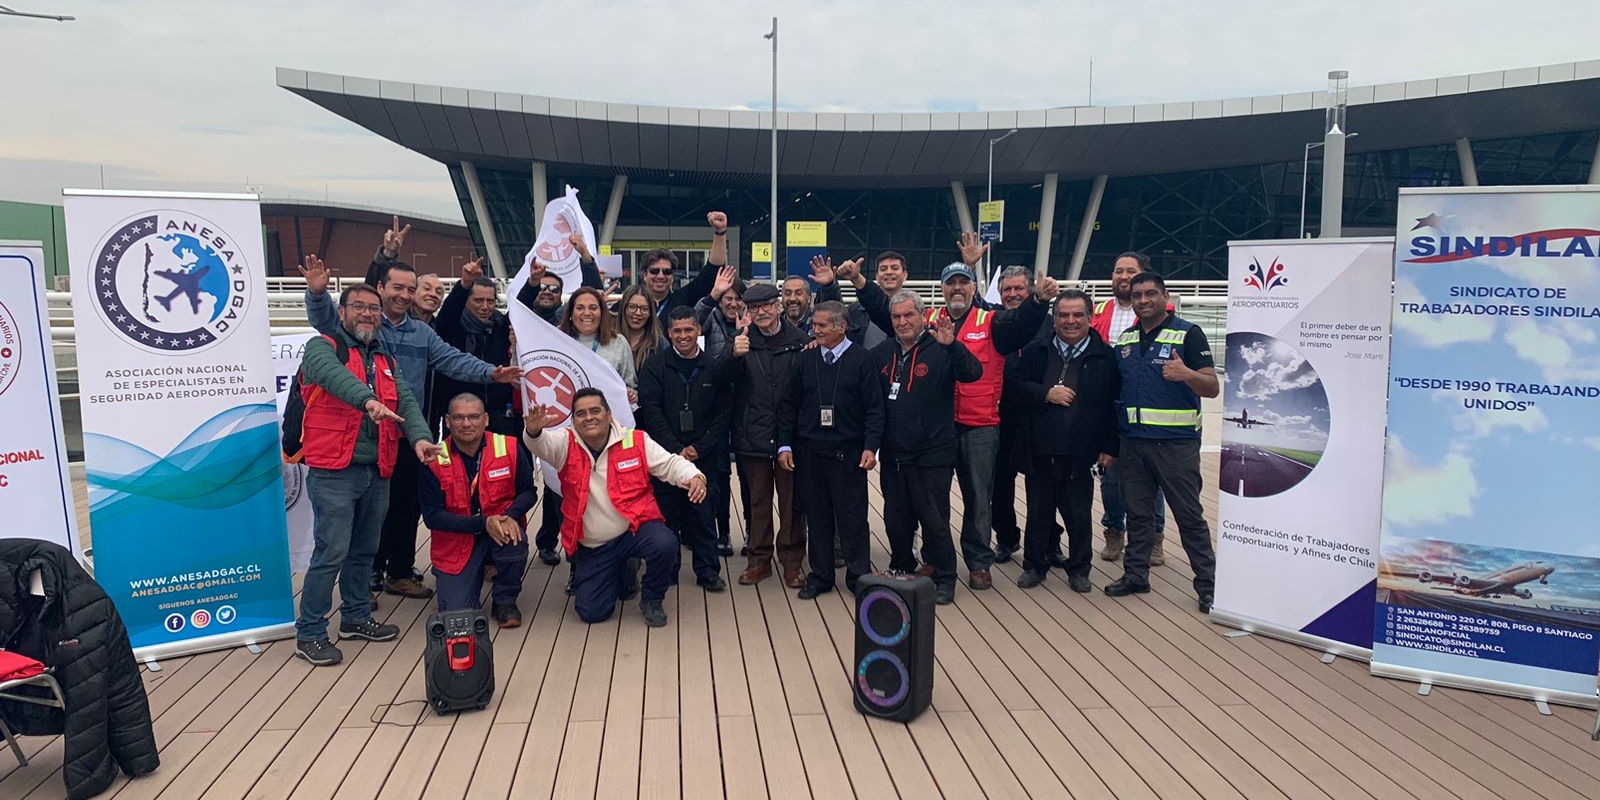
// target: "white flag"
[[993, 294], [562, 218], [555, 366]]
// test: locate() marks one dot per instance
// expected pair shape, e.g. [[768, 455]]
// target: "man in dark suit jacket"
[[1070, 383], [830, 426]]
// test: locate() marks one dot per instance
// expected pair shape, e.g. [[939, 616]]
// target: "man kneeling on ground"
[[609, 513], [475, 497]]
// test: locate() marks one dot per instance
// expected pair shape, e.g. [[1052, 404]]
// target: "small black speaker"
[[893, 677], [458, 661]]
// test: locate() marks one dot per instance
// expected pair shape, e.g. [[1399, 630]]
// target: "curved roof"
[[926, 149]]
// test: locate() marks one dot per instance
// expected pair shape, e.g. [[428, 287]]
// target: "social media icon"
[[200, 618], [175, 623], [226, 615]]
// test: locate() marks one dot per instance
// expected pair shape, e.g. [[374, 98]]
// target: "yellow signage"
[[761, 251], [993, 211], [808, 234], [605, 249]]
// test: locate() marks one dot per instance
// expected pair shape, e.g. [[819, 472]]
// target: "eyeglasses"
[[364, 308], [639, 310], [549, 288], [460, 419], [659, 271]]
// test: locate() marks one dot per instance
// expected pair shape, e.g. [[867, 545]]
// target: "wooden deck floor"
[[1042, 693]]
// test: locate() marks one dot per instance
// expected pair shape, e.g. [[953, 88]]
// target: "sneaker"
[[407, 587], [744, 550], [979, 579], [549, 557], [508, 615], [370, 630], [1156, 557], [1115, 541], [1205, 603], [654, 615], [320, 652], [944, 595], [724, 545], [1029, 579], [713, 584]]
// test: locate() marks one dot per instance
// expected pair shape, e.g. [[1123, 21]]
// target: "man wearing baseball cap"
[[989, 335]]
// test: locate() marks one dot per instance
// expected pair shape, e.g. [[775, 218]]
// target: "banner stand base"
[[1331, 649], [1544, 708], [255, 649], [152, 664], [1595, 735], [246, 638], [1430, 679]]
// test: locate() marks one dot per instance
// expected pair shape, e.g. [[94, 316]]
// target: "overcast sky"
[[182, 94]]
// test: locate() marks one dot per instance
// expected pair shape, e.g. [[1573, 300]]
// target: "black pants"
[[1055, 487], [832, 488], [1172, 466], [1003, 512], [718, 469], [397, 544], [912, 496], [549, 535], [695, 524]]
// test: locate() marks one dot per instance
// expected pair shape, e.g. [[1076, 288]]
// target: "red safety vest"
[[1102, 318], [627, 483], [330, 426], [495, 484], [978, 402]]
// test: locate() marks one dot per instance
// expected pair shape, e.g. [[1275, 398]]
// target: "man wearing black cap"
[[759, 360], [989, 335]]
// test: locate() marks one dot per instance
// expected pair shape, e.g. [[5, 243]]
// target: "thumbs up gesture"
[[1175, 370]]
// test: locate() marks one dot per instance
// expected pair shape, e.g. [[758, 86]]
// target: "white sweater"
[[601, 522]]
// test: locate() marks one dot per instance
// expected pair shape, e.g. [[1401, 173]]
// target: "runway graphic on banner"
[[1302, 439], [1487, 582]]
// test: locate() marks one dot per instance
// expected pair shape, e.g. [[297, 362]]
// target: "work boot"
[[407, 587], [1115, 542], [1156, 558], [320, 652], [654, 614]]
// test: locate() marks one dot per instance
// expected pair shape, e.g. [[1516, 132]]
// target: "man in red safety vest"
[[988, 335], [608, 509], [475, 498]]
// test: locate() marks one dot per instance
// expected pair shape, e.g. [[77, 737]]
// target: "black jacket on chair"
[[75, 630]]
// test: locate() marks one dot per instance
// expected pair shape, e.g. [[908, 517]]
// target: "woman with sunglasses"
[[636, 317]]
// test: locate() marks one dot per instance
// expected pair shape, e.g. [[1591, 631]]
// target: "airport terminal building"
[[1081, 184]]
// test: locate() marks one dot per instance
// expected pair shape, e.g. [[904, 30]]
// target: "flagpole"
[[774, 175]]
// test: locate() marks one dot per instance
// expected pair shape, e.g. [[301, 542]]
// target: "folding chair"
[[44, 679]]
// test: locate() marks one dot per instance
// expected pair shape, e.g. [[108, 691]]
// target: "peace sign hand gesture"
[[395, 238]]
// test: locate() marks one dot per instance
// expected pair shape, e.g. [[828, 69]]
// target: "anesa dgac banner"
[[1301, 474], [1490, 575], [180, 428]]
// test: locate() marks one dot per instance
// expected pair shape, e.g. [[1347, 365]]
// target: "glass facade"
[[1183, 221]]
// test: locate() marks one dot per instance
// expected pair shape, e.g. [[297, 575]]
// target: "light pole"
[[9, 12], [988, 195], [774, 177], [1305, 176]]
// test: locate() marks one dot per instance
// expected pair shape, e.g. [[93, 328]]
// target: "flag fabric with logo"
[[562, 218], [555, 366]]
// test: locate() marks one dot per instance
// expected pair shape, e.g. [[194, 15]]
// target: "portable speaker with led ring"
[[893, 677]]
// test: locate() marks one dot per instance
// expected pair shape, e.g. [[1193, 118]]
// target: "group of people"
[[799, 394]]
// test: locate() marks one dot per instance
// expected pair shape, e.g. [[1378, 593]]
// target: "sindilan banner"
[[34, 488], [287, 351], [1301, 474], [179, 425], [1488, 581]]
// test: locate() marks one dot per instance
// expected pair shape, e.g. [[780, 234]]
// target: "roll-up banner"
[[287, 351], [34, 488], [1301, 475], [1490, 573], [179, 425]]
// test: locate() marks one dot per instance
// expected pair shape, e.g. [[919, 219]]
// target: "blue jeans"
[[976, 450], [1115, 505], [349, 505]]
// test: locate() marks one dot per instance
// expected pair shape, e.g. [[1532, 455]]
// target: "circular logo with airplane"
[[10, 349], [200, 618], [552, 378], [171, 282]]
